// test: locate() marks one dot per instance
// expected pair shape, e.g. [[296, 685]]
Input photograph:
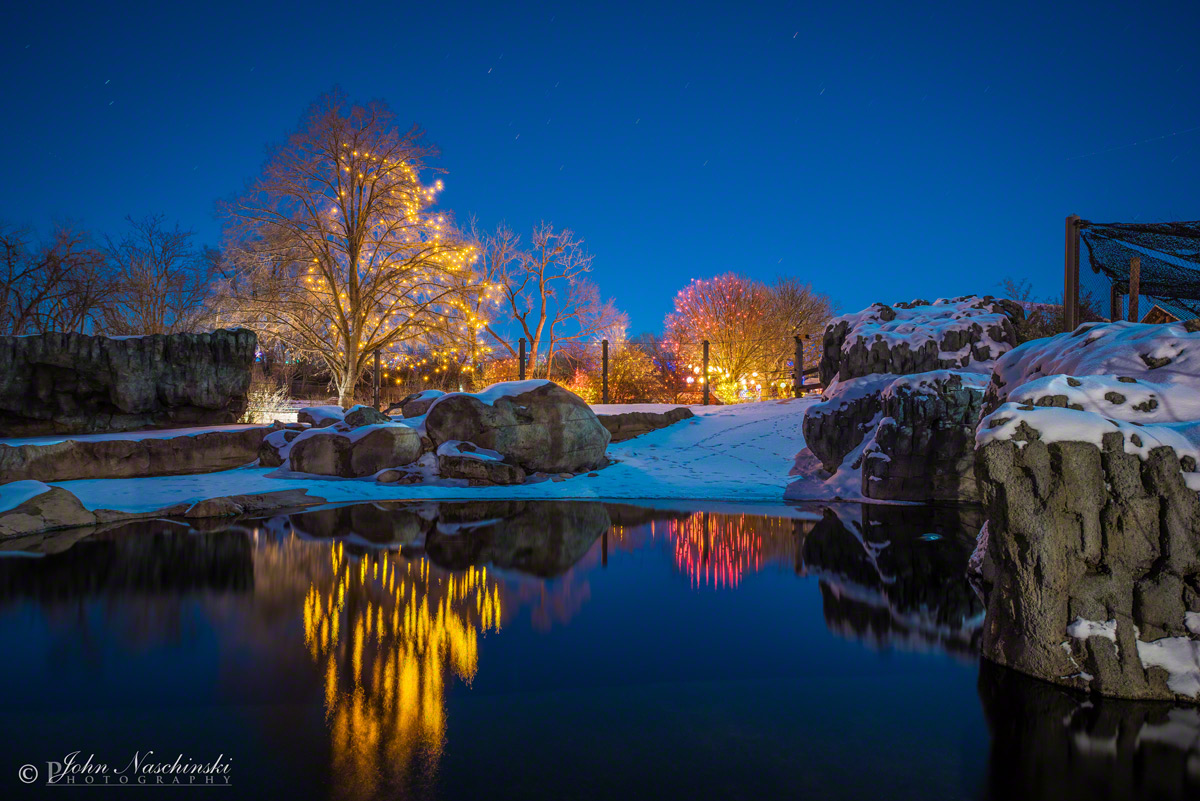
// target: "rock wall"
[[924, 445], [70, 460], [1094, 559], [77, 384]]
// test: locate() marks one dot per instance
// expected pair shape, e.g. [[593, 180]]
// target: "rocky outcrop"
[[359, 452], [918, 337], [364, 416], [634, 424], [924, 445], [77, 384], [1090, 560], [149, 455], [905, 385], [535, 424]]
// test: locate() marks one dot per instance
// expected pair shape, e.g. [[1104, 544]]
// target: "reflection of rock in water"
[[1050, 742], [543, 539], [148, 557], [369, 523], [898, 576]]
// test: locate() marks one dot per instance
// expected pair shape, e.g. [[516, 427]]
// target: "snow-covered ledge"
[[1087, 457]]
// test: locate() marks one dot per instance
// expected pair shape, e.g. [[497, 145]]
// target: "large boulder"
[[364, 416], [98, 456], [77, 384], [1090, 558], [535, 424], [363, 451]]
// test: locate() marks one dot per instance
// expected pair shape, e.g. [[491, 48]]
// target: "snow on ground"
[[15, 493], [726, 453]]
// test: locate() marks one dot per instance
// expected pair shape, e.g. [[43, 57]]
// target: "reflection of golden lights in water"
[[384, 631], [719, 550]]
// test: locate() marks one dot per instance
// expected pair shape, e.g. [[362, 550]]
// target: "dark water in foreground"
[[550, 650]]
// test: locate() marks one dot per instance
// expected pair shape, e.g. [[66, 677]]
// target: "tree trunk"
[[346, 385]]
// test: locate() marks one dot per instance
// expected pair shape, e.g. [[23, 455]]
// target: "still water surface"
[[552, 650]]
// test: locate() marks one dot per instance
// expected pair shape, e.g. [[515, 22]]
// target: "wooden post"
[[1114, 303], [1071, 275], [604, 371], [798, 368], [375, 381], [704, 375], [521, 360], [1135, 281]]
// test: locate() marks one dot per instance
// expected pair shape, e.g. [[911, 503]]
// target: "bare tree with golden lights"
[[339, 249]]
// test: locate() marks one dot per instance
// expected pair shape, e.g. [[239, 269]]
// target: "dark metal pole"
[[1071, 275], [704, 376], [798, 371], [1135, 286], [521, 360], [375, 394], [604, 371]]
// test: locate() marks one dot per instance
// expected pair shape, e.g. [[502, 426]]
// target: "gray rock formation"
[[1094, 558], [907, 387], [634, 424], [967, 329], [69, 460], [326, 452], [546, 429], [924, 445], [76, 384]]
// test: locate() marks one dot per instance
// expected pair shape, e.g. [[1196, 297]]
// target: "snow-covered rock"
[[535, 424], [909, 338], [904, 390], [362, 451], [1087, 464]]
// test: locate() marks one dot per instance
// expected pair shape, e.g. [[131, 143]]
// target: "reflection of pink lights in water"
[[718, 550]]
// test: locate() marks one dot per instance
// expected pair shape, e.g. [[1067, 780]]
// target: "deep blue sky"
[[881, 151]]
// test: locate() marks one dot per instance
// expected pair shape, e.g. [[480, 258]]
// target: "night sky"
[[881, 151]]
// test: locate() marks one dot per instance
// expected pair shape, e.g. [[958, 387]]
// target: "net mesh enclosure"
[[1169, 274]]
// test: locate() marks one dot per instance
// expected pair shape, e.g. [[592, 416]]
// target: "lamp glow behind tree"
[[340, 251]]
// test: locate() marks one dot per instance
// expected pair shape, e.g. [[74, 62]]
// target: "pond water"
[[551, 650]]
